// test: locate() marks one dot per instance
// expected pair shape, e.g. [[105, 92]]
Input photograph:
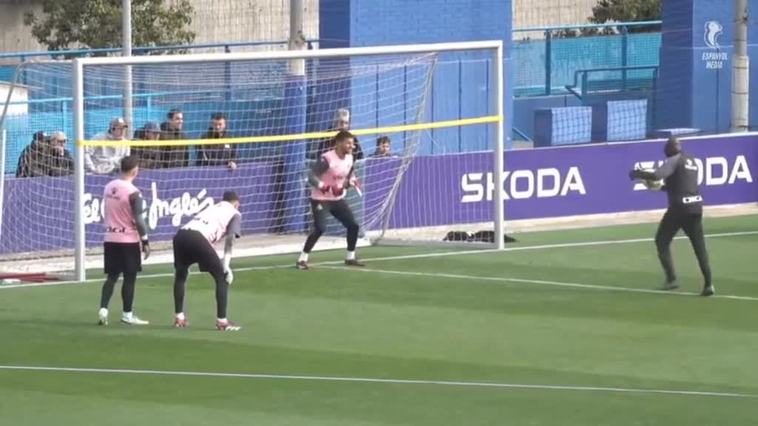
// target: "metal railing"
[[71, 53], [585, 86], [549, 31]]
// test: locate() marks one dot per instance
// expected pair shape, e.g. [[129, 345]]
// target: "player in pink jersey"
[[125, 234], [330, 177], [193, 243]]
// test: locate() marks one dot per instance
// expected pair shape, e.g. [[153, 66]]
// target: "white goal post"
[[494, 50]]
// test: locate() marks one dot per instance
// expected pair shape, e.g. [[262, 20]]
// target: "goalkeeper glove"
[[642, 174], [337, 190], [324, 188], [229, 276]]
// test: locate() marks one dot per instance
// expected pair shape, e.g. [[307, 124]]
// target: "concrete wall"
[[542, 13], [237, 20], [215, 21], [218, 21], [15, 37], [461, 82]]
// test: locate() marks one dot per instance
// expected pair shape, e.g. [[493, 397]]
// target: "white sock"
[[221, 319], [303, 257], [180, 316], [350, 255], [128, 314]]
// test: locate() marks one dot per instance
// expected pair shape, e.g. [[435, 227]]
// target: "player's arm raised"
[[665, 170], [138, 211]]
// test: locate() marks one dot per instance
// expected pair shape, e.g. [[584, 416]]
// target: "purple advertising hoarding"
[[38, 213], [567, 181]]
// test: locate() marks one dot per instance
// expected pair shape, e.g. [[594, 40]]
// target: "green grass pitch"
[[553, 331]]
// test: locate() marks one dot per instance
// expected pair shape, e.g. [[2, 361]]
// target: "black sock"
[[310, 242], [180, 278], [107, 291], [127, 290], [222, 289]]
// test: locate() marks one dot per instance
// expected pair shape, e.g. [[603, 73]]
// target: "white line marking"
[[379, 380], [538, 282], [404, 257], [548, 246]]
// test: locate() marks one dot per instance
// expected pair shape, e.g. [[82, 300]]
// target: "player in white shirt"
[[193, 243]]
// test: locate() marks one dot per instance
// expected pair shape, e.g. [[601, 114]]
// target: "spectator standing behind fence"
[[217, 154], [383, 148], [46, 156], [171, 129], [149, 157], [105, 159], [341, 122]]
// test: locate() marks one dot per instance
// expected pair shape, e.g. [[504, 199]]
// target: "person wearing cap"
[[106, 159], [46, 156], [149, 157], [341, 122], [217, 154]]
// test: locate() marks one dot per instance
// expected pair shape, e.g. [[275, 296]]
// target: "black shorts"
[[122, 257], [191, 247]]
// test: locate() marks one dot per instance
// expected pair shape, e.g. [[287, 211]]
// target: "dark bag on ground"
[[478, 237]]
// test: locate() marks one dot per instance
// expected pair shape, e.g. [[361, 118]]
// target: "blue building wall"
[[696, 61], [462, 82]]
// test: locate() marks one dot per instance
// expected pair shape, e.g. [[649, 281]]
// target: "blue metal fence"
[[547, 65], [7, 71]]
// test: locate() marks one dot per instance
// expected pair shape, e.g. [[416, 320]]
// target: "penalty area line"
[[570, 285], [374, 380]]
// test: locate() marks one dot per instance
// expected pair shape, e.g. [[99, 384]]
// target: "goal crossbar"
[[294, 54]]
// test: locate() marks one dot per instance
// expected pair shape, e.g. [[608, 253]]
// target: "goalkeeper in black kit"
[[685, 211]]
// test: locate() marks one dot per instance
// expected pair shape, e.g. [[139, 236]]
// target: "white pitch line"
[[405, 257], [537, 282], [548, 246], [379, 380]]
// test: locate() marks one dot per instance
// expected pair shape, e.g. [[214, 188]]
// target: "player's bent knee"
[[181, 273]]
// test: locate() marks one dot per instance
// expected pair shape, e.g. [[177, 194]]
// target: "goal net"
[[252, 123]]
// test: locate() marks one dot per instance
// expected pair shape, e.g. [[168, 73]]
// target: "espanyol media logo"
[[713, 30], [713, 57]]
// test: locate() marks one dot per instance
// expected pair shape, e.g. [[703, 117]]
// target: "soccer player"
[[193, 243], [685, 211], [125, 233], [330, 177]]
